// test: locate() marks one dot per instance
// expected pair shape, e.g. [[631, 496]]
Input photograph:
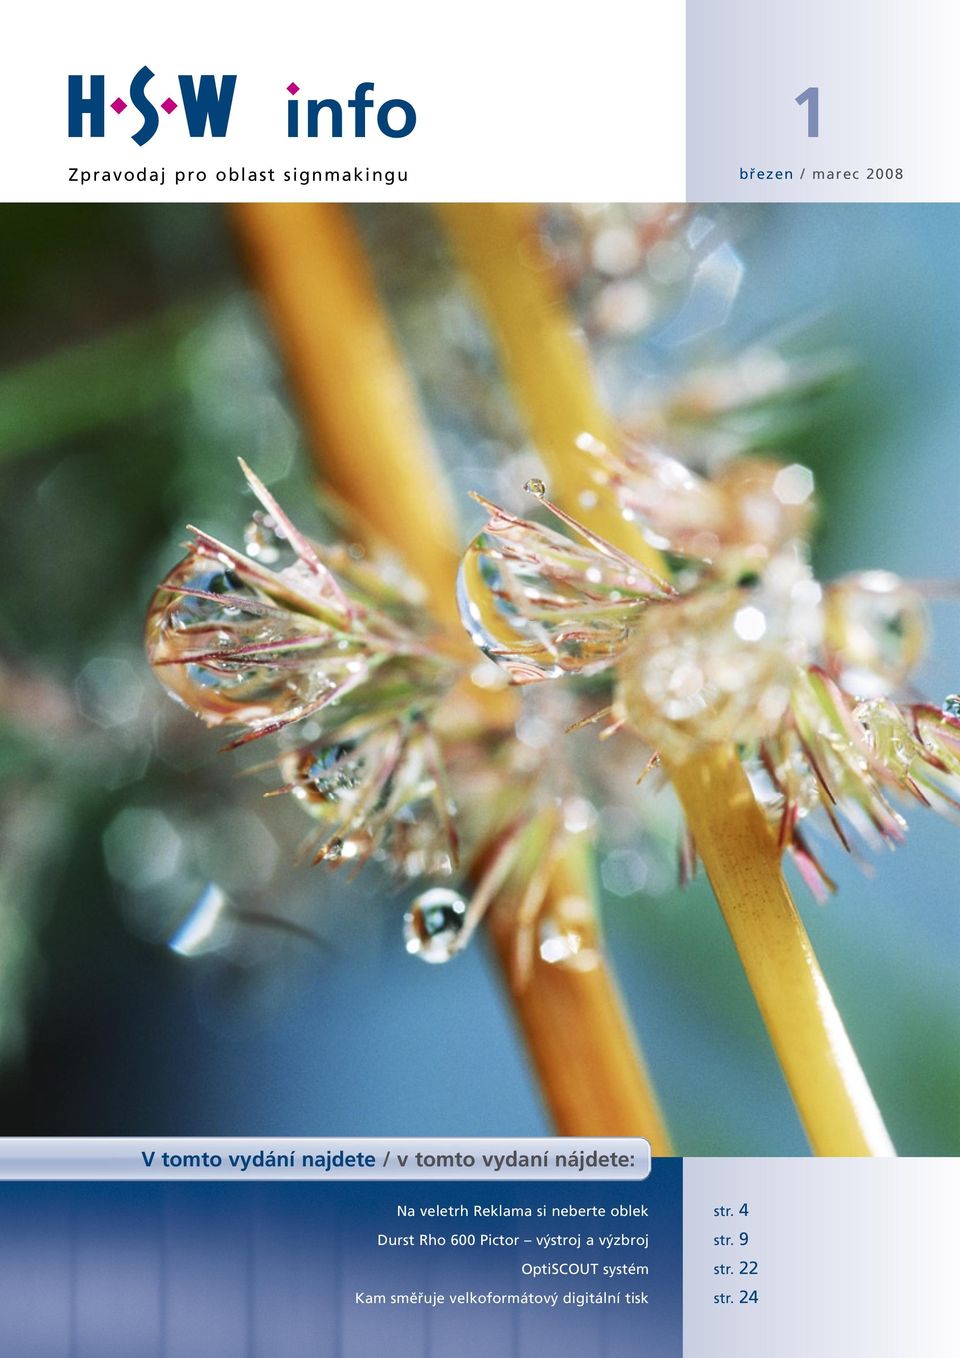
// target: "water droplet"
[[795, 782], [229, 652], [937, 745], [417, 837], [566, 937], [888, 734], [241, 644], [328, 779], [378, 796], [536, 487], [527, 602], [433, 924], [763, 506], [185, 625], [265, 541], [951, 704], [706, 670], [875, 632]]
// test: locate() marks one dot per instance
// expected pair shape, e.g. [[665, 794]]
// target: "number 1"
[[811, 97]]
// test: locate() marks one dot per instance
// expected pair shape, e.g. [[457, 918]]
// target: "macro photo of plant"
[[558, 606]]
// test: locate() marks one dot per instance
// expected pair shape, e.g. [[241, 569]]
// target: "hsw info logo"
[[206, 104], [206, 101]]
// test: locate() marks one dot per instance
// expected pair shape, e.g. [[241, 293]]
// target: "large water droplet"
[[875, 632], [535, 487], [198, 643], [738, 515], [240, 643], [542, 605], [433, 924], [951, 705], [704, 670], [765, 506], [229, 652]]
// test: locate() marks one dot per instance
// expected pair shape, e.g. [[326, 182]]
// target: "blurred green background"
[[135, 366]]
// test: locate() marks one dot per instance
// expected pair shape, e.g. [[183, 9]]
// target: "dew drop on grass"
[[334, 851], [433, 924], [566, 937], [875, 632]]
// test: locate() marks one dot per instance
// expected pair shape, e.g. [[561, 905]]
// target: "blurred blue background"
[[136, 366]]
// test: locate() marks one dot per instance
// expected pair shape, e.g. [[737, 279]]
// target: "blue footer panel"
[[342, 1269]]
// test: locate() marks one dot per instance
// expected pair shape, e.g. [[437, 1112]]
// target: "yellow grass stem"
[[743, 862], [369, 441], [591, 1069], [359, 407], [549, 371], [544, 361]]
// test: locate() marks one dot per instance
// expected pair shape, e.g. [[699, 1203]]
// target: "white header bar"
[[660, 100], [502, 100]]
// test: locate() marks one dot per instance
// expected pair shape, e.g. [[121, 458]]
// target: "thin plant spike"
[[300, 544]]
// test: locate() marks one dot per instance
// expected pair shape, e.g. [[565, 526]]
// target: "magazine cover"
[[479, 729]]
